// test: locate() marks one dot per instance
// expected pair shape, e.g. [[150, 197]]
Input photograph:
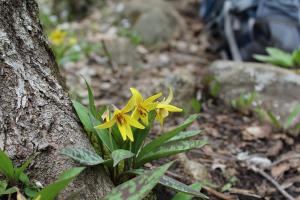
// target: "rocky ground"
[[243, 154]]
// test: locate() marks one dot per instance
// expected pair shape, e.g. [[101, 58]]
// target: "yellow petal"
[[137, 95], [150, 106], [169, 108], [152, 98], [135, 115], [170, 97], [107, 124], [129, 106], [145, 119], [129, 133], [123, 131], [160, 119], [134, 122]]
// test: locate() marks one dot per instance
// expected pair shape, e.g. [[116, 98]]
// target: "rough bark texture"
[[35, 111]]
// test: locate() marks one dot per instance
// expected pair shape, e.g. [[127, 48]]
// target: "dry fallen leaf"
[[256, 132], [278, 170]]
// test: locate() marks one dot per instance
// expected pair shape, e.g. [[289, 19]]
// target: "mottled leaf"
[[120, 154], [83, 156], [166, 136], [139, 187], [288, 123], [3, 185], [184, 196], [184, 135], [169, 149]]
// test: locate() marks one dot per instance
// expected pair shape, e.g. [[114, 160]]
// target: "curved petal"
[[137, 95], [135, 115], [123, 130], [134, 122], [152, 98], [170, 97], [169, 108], [160, 119], [145, 119], [151, 106], [129, 106], [129, 133], [107, 124]]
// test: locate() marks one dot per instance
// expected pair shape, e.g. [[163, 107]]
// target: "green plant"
[[17, 181], [122, 140], [133, 36], [183, 196], [231, 182], [280, 58], [244, 102], [266, 115]]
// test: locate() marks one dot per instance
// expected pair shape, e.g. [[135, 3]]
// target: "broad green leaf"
[[10, 190], [120, 154], [166, 136], [296, 56], [169, 149], [172, 184], [92, 106], [184, 135], [24, 178], [141, 134], [214, 88], [30, 192], [84, 116], [83, 156], [3, 186], [104, 136], [184, 196], [196, 105], [288, 123], [139, 187], [6, 166], [263, 58], [52, 190]]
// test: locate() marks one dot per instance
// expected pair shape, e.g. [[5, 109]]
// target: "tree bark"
[[35, 111]]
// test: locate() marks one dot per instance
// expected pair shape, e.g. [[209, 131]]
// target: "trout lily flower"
[[143, 107], [57, 37], [123, 121], [163, 108]]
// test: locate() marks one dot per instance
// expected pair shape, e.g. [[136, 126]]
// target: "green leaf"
[[104, 136], [296, 56], [30, 192], [3, 186], [273, 119], [92, 106], [24, 178], [84, 116], [173, 184], [141, 134], [139, 187], [169, 149], [184, 135], [120, 154], [288, 123], [196, 105], [83, 156], [24, 166], [166, 136], [6, 166], [10, 190], [52, 190], [285, 59], [184, 196], [214, 88]]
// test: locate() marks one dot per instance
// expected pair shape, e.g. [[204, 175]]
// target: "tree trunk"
[[35, 111]]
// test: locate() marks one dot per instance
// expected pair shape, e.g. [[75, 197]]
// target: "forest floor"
[[237, 141]]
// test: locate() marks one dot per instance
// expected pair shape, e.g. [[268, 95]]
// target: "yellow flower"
[[123, 121], [164, 107], [72, 41], [143, 107], [57, 37]]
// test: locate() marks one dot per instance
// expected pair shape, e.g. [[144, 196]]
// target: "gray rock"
[[155, 21], [278, 88]]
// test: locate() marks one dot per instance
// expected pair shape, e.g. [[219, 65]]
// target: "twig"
[[274, 182], [285, 159], [218, 194]]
